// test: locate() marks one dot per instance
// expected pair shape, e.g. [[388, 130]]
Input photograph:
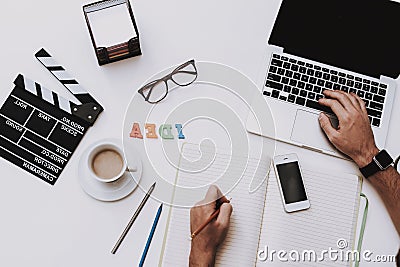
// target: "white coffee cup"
[[106, 163]]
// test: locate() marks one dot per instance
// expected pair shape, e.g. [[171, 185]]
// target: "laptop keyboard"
[[302, 84]]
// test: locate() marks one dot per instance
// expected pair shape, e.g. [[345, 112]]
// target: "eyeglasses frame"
[[149, 86]]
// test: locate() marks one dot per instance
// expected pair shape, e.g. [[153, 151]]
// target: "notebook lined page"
[[240, 246], [332, 216]]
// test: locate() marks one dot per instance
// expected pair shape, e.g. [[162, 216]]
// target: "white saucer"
[[109, 191]]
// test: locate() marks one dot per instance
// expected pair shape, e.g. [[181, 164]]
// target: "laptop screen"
[[361, 36]]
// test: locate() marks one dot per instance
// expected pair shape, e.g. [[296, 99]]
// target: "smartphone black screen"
[[291, 182]]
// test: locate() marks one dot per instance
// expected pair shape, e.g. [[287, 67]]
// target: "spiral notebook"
[[259, 220]]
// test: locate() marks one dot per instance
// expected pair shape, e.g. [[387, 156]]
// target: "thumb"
[[224, 215], [326, 125]]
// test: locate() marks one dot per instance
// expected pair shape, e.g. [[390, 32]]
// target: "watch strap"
[[370, 169], [380, 162]]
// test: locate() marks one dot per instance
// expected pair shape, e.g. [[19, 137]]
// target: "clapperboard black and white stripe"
[[90, 108], [40, 130], [44, 93]]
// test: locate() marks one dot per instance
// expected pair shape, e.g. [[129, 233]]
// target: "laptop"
[[315, 45]]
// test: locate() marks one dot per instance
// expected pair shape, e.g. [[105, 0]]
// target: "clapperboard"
[[40, 130]]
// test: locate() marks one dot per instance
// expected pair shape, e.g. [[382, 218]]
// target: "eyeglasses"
[[157, 90]]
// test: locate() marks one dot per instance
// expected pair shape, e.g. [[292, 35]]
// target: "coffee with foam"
[[107, 164]]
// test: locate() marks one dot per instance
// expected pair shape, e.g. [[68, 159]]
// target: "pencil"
[[153, 229], [212, 217], [135, 215]]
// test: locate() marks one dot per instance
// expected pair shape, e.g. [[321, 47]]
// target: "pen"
[[135, 215], [212, 217], [153, 228]]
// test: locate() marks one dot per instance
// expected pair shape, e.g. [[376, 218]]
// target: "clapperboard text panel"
[[38, 132]]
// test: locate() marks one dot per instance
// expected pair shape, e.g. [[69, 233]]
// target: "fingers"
[[225, 215], [336, 107], [327, 127], [213, 197], [342, 98], [222, 200], [353, 97], [360, 102], [213, 194]]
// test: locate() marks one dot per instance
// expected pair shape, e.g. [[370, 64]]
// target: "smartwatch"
[[380, 162], [396, 164]]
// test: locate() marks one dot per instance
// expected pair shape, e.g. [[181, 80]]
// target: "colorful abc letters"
[[165, 131]]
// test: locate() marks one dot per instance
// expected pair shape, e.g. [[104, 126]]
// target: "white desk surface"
[[61, 226]]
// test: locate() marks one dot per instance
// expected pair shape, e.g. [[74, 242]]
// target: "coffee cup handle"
[[131, 169]]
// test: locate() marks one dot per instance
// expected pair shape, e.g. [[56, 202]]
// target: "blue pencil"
[[153, 229]]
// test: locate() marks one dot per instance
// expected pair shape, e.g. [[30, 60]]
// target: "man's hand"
[[205, 244], [354, 136]]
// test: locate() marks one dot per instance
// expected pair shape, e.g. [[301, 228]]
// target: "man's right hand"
[[354, 135], [205, 244]]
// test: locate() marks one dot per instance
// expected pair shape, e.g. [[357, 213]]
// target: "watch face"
[[384, 159], [397, 166]]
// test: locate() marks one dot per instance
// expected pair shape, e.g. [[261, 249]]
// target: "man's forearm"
[[387, 183], [201, 258]]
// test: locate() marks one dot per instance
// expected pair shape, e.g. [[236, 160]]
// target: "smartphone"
[[290, 181]]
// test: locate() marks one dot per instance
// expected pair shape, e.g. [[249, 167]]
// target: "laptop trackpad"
[[307, 131]]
